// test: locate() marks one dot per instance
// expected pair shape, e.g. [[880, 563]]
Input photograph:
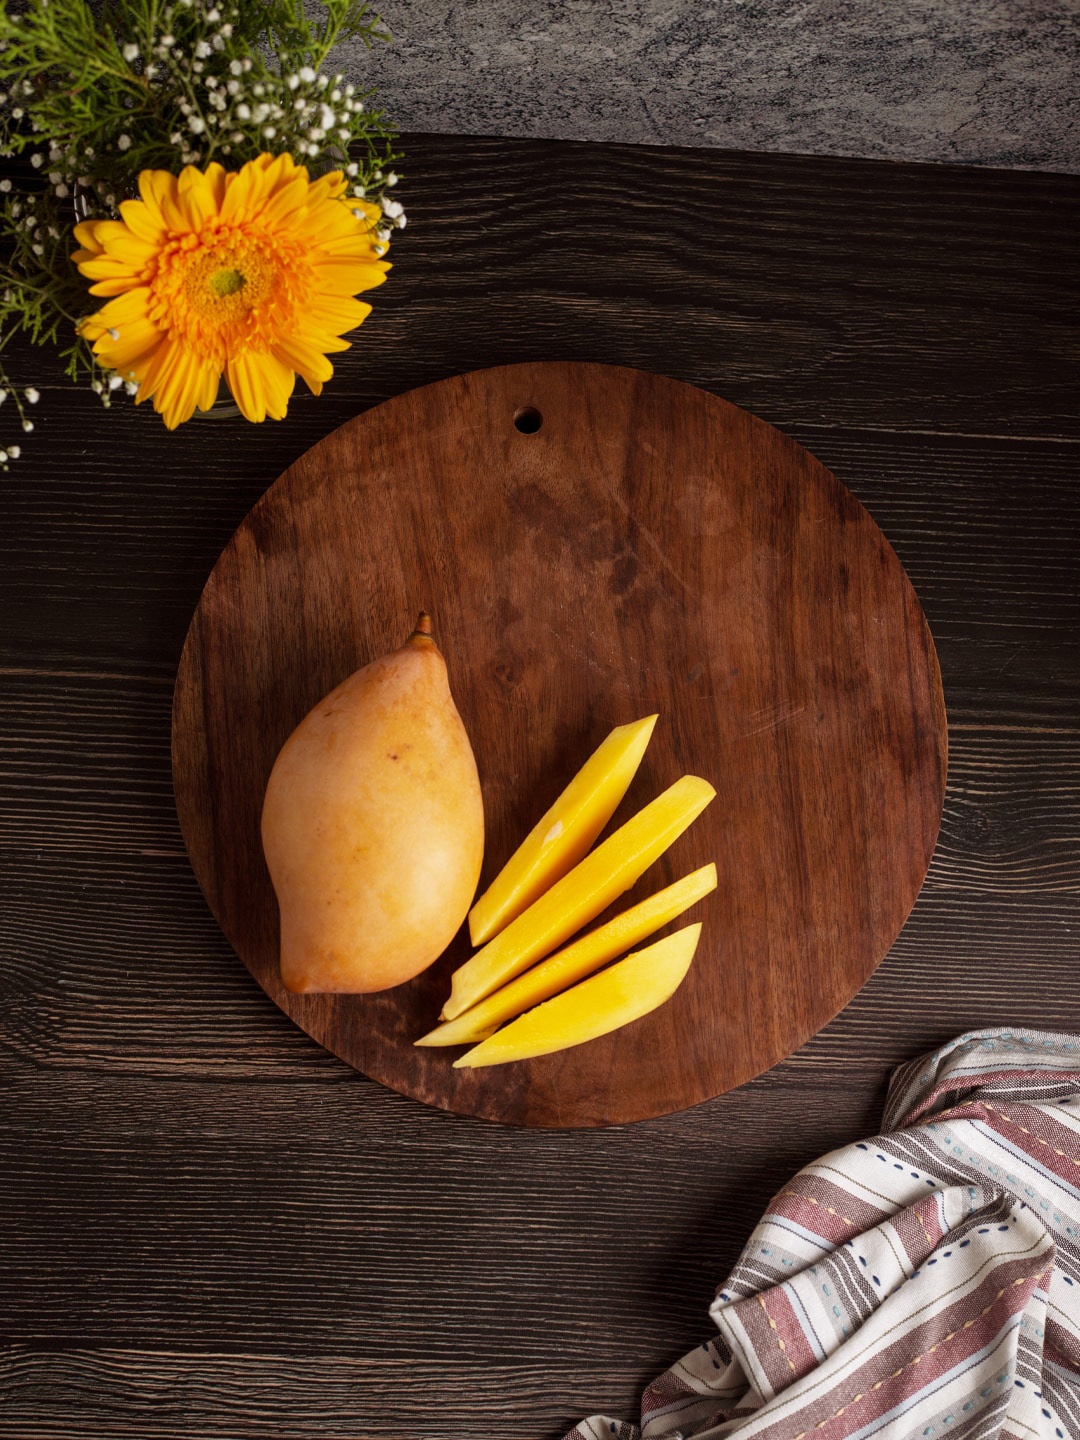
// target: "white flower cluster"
[[225, 103], [31, 397], [24, 214]]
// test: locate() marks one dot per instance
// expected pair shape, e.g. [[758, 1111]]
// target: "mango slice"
[[606, 1002], [566, 832], [581, 895], [579, 959]]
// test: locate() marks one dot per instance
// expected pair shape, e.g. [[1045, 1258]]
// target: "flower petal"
[[300, 355], [158, 190], [144, 222], [197, 197], [137, 338]]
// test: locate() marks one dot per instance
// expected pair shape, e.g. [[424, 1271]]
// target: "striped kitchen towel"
[[919, 1285]]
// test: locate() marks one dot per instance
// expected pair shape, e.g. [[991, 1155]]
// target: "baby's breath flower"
[[228, 91], [28, 426], [14, 451], [32, 395]]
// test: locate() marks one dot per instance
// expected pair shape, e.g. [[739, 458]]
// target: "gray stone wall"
[[990, 82]]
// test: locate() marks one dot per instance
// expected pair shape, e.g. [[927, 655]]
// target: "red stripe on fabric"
[[662, 1392], [1061, 1345], [919, 1228], [775, 1336], [907, 1366], [1054, 1146], [825, 1209], [789, 1330], [973, 1082]]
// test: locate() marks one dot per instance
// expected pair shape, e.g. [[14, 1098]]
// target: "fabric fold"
[[925, 1283]]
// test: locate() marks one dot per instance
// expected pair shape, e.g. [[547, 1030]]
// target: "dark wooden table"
[[213, 1228]]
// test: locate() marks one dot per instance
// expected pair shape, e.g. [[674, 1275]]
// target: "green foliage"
[[92, 97]]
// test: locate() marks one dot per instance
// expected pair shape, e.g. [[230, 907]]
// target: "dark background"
[[210, 1227]]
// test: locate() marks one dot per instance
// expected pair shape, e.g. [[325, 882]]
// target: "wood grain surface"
[[642, 547], [211, 1227]]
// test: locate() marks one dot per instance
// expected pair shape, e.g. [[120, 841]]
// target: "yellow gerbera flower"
[[250, 274]]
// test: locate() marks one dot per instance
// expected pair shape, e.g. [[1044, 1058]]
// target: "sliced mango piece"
[[606, 1002], [579, 959], [580, 896], [566, 832]]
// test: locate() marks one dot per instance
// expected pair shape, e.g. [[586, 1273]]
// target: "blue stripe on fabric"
[[1021, 1154], [806, 1324], [783, 1223]]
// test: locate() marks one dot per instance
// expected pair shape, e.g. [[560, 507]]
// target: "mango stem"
[[422, 630]]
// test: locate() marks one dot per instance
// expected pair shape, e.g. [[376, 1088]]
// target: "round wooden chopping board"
[[594, 544]]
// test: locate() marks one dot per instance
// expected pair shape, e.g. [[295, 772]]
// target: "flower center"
[[227, 282], [228, 289], [226, 277]]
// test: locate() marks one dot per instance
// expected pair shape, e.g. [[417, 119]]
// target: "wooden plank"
[[187, 1175]]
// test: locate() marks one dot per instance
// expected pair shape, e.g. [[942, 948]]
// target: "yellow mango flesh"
[[579, 959], [581, 895], [565, 833], [373, 827], [605, 1002]]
